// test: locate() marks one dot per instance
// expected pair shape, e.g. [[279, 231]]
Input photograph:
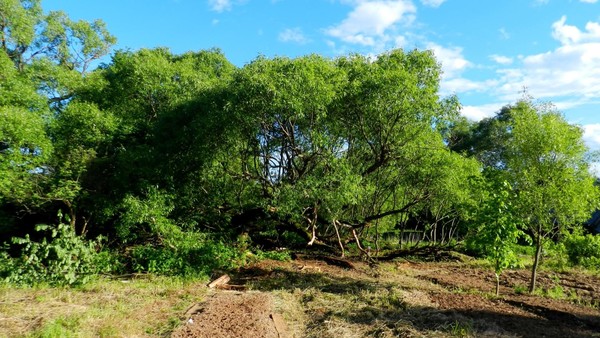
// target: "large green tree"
[[168, 116], [543, 158], [44, 59], [545, 161], [337, 146]]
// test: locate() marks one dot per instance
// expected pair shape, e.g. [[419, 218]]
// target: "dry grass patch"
[[149, 307], [387, 301]]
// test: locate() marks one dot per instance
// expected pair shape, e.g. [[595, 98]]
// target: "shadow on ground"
[[381, 308]]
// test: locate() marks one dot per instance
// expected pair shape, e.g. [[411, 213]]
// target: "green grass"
[[148, 306]]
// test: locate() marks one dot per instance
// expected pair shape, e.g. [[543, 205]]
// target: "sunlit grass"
[[147, 307]]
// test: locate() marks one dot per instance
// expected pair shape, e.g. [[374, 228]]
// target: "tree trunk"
[[72, 215], [536, 262], [497, 284]]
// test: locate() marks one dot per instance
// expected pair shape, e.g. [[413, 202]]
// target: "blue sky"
[[489, 50]]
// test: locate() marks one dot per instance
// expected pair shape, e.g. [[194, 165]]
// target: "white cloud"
[[568, 34], [589, 1], [453, 65], [501, 59], [220, 5], [293, 35], [370, 22], [591, 136], [569, 74], [478, 113], [463, 85], [571, 70], [434, 3], [451, 58], [400, 41]]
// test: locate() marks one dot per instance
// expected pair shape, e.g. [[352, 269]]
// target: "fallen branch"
[[219, 281]]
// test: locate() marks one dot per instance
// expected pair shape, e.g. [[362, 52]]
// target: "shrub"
[[61, 258], [191, 254], [583, 250], [281, 255]]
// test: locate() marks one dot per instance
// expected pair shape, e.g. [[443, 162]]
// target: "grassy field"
[[395, 299], [142, 306]]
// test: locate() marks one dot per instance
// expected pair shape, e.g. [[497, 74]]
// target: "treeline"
[[182, 162]]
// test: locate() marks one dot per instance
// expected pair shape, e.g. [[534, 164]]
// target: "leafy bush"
[[283, 255], [191, 254], [583, 250], [142, 218], [554, 256], [62, 258]]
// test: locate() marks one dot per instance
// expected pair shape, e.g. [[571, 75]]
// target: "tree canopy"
[[329, 152]]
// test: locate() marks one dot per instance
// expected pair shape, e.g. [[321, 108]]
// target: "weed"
[[194, 254], [520, 289], [60, 327], [556, 292], [283, 255], [583, 250], [461, 329]]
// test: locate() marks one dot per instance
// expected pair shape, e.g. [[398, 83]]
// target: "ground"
[[311, 298], [406, 299], [227, 314]]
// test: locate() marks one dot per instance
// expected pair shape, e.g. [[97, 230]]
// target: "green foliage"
[[283, 255], [157, 148], [146, 217], [29, 34], [191, 254], [44, 154], [63, 258], [24, 147], [498, 229], [583, 250], [543, 159]]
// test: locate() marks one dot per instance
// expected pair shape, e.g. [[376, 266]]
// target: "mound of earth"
[[232, 315]]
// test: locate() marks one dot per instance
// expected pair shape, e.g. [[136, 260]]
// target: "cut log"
[[219, 281]]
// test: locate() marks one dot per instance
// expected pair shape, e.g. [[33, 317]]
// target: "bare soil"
[[231, 314], [399, 299]]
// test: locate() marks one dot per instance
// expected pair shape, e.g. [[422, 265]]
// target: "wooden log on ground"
[[219, 281]]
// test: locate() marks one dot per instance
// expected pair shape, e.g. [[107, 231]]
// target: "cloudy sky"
[[490, 50]]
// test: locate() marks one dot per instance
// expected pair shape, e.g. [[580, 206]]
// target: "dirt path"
[[397, 300], [232, 315]]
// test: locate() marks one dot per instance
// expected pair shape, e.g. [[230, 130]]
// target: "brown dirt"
[[573, 312], [402, 299], [232, 314]]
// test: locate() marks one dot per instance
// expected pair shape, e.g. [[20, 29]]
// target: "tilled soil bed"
[[231, 315]]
